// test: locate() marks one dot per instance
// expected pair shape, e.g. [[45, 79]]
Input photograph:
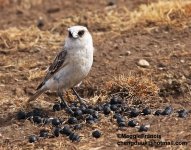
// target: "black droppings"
[[72, 120], [21, 115], [66, 131], [55, 122], [182, 113], [143, 128], [167, 111], [56, 132], [56, 107], [74, 137], [132, 123], [96, 134], [32, 138], [146, 111]]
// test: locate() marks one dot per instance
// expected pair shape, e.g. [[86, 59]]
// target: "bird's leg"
[[60, 94], [79, 98]]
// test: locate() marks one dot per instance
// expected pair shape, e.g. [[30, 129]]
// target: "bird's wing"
[[55, 66]]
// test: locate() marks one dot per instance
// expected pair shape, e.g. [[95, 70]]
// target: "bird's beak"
[[74, 35]]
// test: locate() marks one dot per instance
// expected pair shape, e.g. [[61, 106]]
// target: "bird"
[[71, 65]]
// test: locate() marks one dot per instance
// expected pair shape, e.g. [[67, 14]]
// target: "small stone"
[[143, 63], [127, 53]]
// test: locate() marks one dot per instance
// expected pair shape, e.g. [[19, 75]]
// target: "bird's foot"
[[83, 102], [69, 110]]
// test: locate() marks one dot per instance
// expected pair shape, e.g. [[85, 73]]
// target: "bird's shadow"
[[8, 120], [12, 118]]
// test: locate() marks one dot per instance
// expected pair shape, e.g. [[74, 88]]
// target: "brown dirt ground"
[[119, 46]]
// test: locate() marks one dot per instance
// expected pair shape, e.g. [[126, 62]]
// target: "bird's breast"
[[81, 60]]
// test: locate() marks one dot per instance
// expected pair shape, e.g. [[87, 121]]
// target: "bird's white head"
[[78, 36]]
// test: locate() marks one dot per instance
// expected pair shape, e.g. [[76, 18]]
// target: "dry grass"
[[27, 4], [27, 38], [162, 12], [141, 87], [172, 12], [136, 90]]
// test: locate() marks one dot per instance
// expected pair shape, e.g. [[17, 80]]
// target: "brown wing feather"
[[54, 67]]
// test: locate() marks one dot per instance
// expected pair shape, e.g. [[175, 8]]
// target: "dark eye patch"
[[81, 33], [70, 34]]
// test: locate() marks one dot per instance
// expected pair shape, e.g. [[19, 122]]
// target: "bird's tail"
[[37, 94]]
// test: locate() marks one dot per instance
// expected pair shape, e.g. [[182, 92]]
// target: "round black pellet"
[[56, 132], [66, 131], [146, 111], [55, 122], [74, 137], [57, 107], [21, 115], [32, 138], [37, 119], [143, 128], [96, 134], [72, 120]]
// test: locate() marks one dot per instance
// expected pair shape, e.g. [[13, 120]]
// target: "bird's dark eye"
[[70, 34], [81, 33]]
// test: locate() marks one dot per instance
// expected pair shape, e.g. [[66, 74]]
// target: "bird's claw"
[[83, 102], [69, 110]]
